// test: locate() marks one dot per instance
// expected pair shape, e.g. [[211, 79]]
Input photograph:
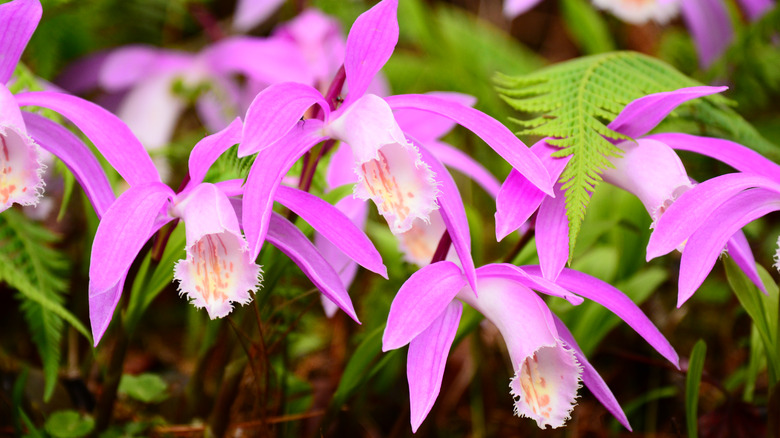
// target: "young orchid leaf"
[[692, 381]]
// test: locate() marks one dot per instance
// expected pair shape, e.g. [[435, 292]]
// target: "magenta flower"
[[219, 269], [649, 169], [547, 362], [392, 171], [703, 218], [22, 132]]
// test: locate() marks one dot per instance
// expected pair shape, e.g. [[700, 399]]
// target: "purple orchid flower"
[[219, 269], [23, 132], [547, 362], [391, 170], [703, 218], [648, 168]]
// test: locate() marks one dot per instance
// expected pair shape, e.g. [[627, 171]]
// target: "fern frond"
[[32, 267], [573, 102]]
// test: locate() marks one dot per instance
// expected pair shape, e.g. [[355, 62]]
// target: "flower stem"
[[443, 248]]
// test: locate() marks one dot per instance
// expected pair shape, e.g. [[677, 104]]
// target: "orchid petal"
[[267, 60], [151, 110], [616, 302], [266, 174], [206, 151], [250, 13], [334, 226], [660, 11], [710, 27], [426, 360], [516, 274], [109, 134], [18, 20], [456, 159], [320, 41], [689, 211], [591, 377], [513, 8], [101, 309], [419, 244], [274, 112], [756, 8], [734, 154], [366, 125], [10, 114], [370, 43], [77, 156], [642, 115], [132, 65], [706, 244], [231, 187], [83, 75], [454, 215], [21, 171], [426, 126], [739, 250], [293, 243], [496, 135], [421, 299], [552, 235]]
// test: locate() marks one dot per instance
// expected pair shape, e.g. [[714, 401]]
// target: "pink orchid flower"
[[391, 170], [219, 269], [546, 359], [250, 13], [648, 168]]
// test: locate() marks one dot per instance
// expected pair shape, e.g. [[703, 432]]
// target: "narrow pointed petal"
[[270, 166], [513, 8], [231, 187], [293, 243], [691, 209], [109, 134], [518, 197], [756, 8], [206, 151], [370, 43], [734, 154], [18, 20], [710, 27], [591, 377], [454, 215], [552, 235], [426, 360], [456, 159], [266, 60], [77, 156], [250, 13], [496, 135], [707, 243], [642, 115], [421, 299], [739, 250], [275, 112], [426, 126], [616, 302], [124, 229], [101, 309], [511, 272], [334, 226]]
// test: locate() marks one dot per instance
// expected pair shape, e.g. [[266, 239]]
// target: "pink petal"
[[496, 135], [426, 360], [334, 226], [18, 20], [642, 115], [463, 163], [267, 60], [552, 235], [660, 11], [319, 39], [206, 151], [426, 126], [756, 8], [250, 13], [77, 156], [707, 243], [419, 244], [293, 243], [420, 301], [513, 8], [274, 112], [109, 134], [370, 43], [270, 166], [518, 275], [132, 65], [710, 27], [101, 309], [739, 251], [151, 110]]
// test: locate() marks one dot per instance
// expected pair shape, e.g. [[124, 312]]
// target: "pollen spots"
[[384, 188], [533, 387], [211, 271]]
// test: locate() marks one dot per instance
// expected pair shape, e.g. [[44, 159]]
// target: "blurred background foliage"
[[281, 368]]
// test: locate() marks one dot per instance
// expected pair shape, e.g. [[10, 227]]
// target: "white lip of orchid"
[[21, 178], [641, 11]]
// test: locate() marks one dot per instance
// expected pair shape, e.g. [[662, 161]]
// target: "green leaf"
[[692, 381], [146, 388], [357, 369], [31, 266], [574, 101], [68, 424], [588, 28]]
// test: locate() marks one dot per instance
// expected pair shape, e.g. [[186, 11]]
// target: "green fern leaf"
[[573, 102], [32, 267]]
